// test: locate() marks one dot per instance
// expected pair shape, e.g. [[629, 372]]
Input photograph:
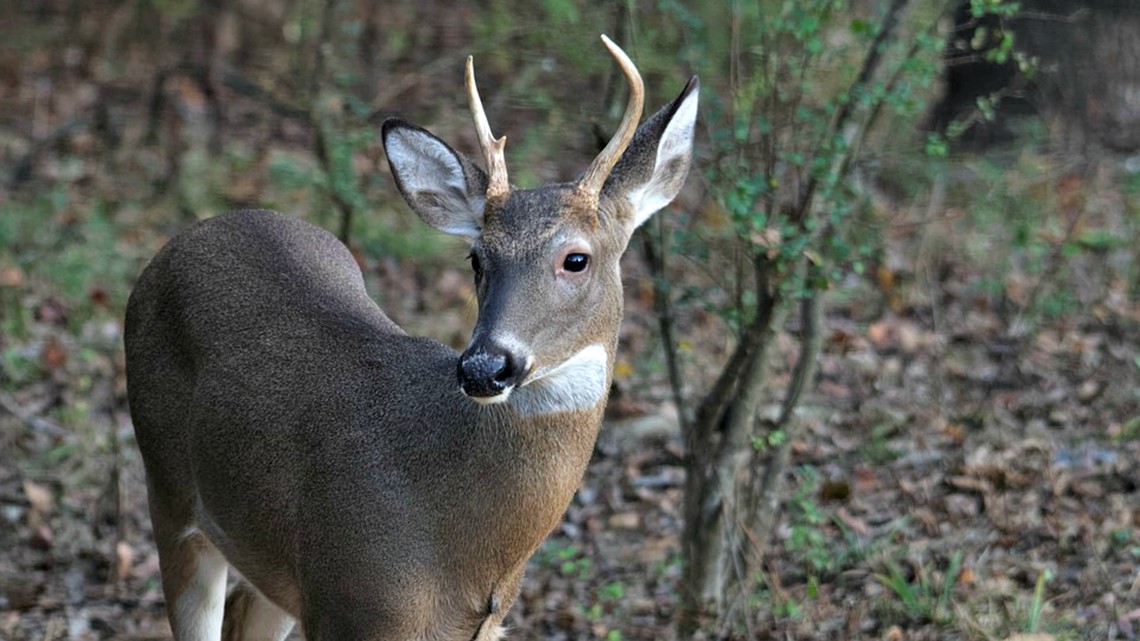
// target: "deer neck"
[[544, 434]]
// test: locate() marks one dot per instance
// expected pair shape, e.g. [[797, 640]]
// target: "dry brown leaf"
[[896, 334], [625, 521], [124, 560], [39, 496], [967, 577], [971, 484], [878, 333], [11, 276], [954, 432], [53, 356], [858, 525], [866, 479]]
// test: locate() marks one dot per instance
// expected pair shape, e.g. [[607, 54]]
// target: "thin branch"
[[280, 107], [870, 68], [712, 409], [811, 344], [320, 140], [654, 247]]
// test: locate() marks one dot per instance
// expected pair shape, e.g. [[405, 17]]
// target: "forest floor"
[[956, 479]]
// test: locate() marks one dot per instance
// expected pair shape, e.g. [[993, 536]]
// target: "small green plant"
[[780, 603], [819, 541], [1130, 430], [877, 449], [568, 558], [807, 520], [613, 591], [925, 597], [1037, 606]]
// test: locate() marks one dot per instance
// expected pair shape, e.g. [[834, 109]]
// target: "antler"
[[497, 186], [591, 184]]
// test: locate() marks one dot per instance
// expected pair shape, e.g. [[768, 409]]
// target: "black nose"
[[487, 370]]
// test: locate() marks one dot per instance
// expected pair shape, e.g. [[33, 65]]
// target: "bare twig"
[[324, 48], [841, 123], [712, 409], [655, 249], [811, 343]]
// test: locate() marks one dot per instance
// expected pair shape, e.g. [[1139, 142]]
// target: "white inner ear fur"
[[676, 144], [434, 182], [578, 383]]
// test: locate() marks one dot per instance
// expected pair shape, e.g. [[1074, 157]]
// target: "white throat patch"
[[578, 383]]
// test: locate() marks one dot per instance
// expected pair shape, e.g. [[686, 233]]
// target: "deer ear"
[[653, 168], [445, 189]]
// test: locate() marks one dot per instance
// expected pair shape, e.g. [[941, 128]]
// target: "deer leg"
[[252, 617], [194, 581]]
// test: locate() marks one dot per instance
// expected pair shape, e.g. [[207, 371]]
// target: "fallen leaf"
[[954, 432], [11, 276], [625, 521], [39, 496], [125, 559], [53, 355], [967, 577], [858, 525]]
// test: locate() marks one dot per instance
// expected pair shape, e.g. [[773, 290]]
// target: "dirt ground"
[[934, 441]]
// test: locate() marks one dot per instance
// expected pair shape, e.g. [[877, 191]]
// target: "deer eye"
[[475, 266], [575, 262]]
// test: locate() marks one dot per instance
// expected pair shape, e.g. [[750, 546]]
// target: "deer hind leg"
[[252, 617], [194, 581]]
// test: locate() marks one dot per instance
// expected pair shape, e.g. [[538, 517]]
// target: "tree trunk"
[[1090, 61], [718, 443]]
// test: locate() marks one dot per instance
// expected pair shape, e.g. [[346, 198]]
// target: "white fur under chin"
[[501, 397], [578, 383]]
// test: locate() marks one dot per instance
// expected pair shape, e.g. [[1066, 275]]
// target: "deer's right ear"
[[445, 189]]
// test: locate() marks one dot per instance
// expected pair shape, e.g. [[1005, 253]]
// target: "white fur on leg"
[[252, 617], [199, 607]]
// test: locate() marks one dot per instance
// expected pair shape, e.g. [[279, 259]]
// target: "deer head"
[[546, 260]]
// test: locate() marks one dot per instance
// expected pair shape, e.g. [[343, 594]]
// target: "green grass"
[[927, 596]]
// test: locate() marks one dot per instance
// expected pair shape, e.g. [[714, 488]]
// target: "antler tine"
[[497, 186], [600, 169]]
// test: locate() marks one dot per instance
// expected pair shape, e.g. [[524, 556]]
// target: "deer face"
[[550, 298], [546, 260]]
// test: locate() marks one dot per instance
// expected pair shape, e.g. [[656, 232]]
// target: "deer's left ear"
[[653, 168]]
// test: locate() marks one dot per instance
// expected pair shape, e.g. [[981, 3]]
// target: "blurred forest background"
[[891, 326]]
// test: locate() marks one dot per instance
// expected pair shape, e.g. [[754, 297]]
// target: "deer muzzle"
[[489, 371]]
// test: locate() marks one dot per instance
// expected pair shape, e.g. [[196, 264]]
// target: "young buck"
[[371, 484]]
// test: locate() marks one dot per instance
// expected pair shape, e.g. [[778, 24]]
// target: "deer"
[[363, 482]]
